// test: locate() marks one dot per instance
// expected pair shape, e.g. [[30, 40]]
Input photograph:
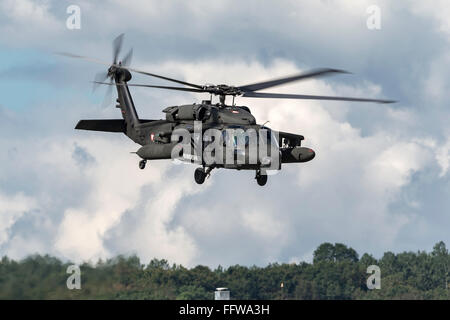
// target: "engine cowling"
[[188, 112]]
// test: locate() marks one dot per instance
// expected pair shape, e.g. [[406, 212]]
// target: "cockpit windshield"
[[238, 138]]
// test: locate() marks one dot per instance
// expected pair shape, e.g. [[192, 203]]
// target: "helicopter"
[[230, 122]]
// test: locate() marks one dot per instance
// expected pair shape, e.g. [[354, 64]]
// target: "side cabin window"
[[235, 137]]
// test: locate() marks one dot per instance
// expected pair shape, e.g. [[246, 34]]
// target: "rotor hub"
[[223, 90]]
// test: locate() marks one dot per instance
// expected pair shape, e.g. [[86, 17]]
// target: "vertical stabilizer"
[[125, 103]]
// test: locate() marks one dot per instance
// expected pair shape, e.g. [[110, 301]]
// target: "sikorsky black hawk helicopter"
[[157, 136]]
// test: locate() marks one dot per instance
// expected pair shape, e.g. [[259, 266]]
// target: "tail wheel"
[[261, 179], [199, 175], [142, 164]]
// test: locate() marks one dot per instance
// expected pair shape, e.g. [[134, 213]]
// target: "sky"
[[379, 182]]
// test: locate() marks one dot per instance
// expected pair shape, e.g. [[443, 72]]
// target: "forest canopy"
[[337, 272]]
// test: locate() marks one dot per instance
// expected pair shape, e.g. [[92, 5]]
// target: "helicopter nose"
[[303, 154], [308, 155]]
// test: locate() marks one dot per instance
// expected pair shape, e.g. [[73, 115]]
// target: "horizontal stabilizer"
[[105, 125]]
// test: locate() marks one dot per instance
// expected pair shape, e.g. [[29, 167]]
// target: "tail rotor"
[[101, 77]]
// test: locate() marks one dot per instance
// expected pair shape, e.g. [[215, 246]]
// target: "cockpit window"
[[237, 137], [271, 137]]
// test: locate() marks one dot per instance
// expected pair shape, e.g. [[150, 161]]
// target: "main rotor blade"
[[151, 86], [117, 46], [309, 97], [165, 78], [70, 55], [280, 81]]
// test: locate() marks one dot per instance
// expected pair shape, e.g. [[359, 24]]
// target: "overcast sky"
[[379, 182]]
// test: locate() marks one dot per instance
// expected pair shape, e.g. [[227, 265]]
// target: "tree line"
[[337, 272]]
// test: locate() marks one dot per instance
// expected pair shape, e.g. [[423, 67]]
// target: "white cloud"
[[264, 224], [11, 209], [26, 20], [116, 185], [26, 10], [344, 193], [436, 81], [357, 177], [438, 10], [443, 157], [146, 230], [115, 181]]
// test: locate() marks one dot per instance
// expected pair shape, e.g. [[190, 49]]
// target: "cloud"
[[12, 208], [345, 193], [160, 212], [436, 82], [147, 229], [439, 12], [26, 11], [377, 183], [443, 157], [23, 20], [114, 182]]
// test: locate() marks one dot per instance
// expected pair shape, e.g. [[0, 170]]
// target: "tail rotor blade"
[[117, 46], [99, 77], [127, 60], [107, 100]]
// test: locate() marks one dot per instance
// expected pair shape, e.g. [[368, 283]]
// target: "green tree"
[[194, 293]]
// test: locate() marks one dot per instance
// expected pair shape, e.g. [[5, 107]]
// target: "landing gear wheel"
[[261, 178], [142, 164], [199, 175]]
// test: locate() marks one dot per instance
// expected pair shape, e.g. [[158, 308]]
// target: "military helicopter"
[[156, 136]]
